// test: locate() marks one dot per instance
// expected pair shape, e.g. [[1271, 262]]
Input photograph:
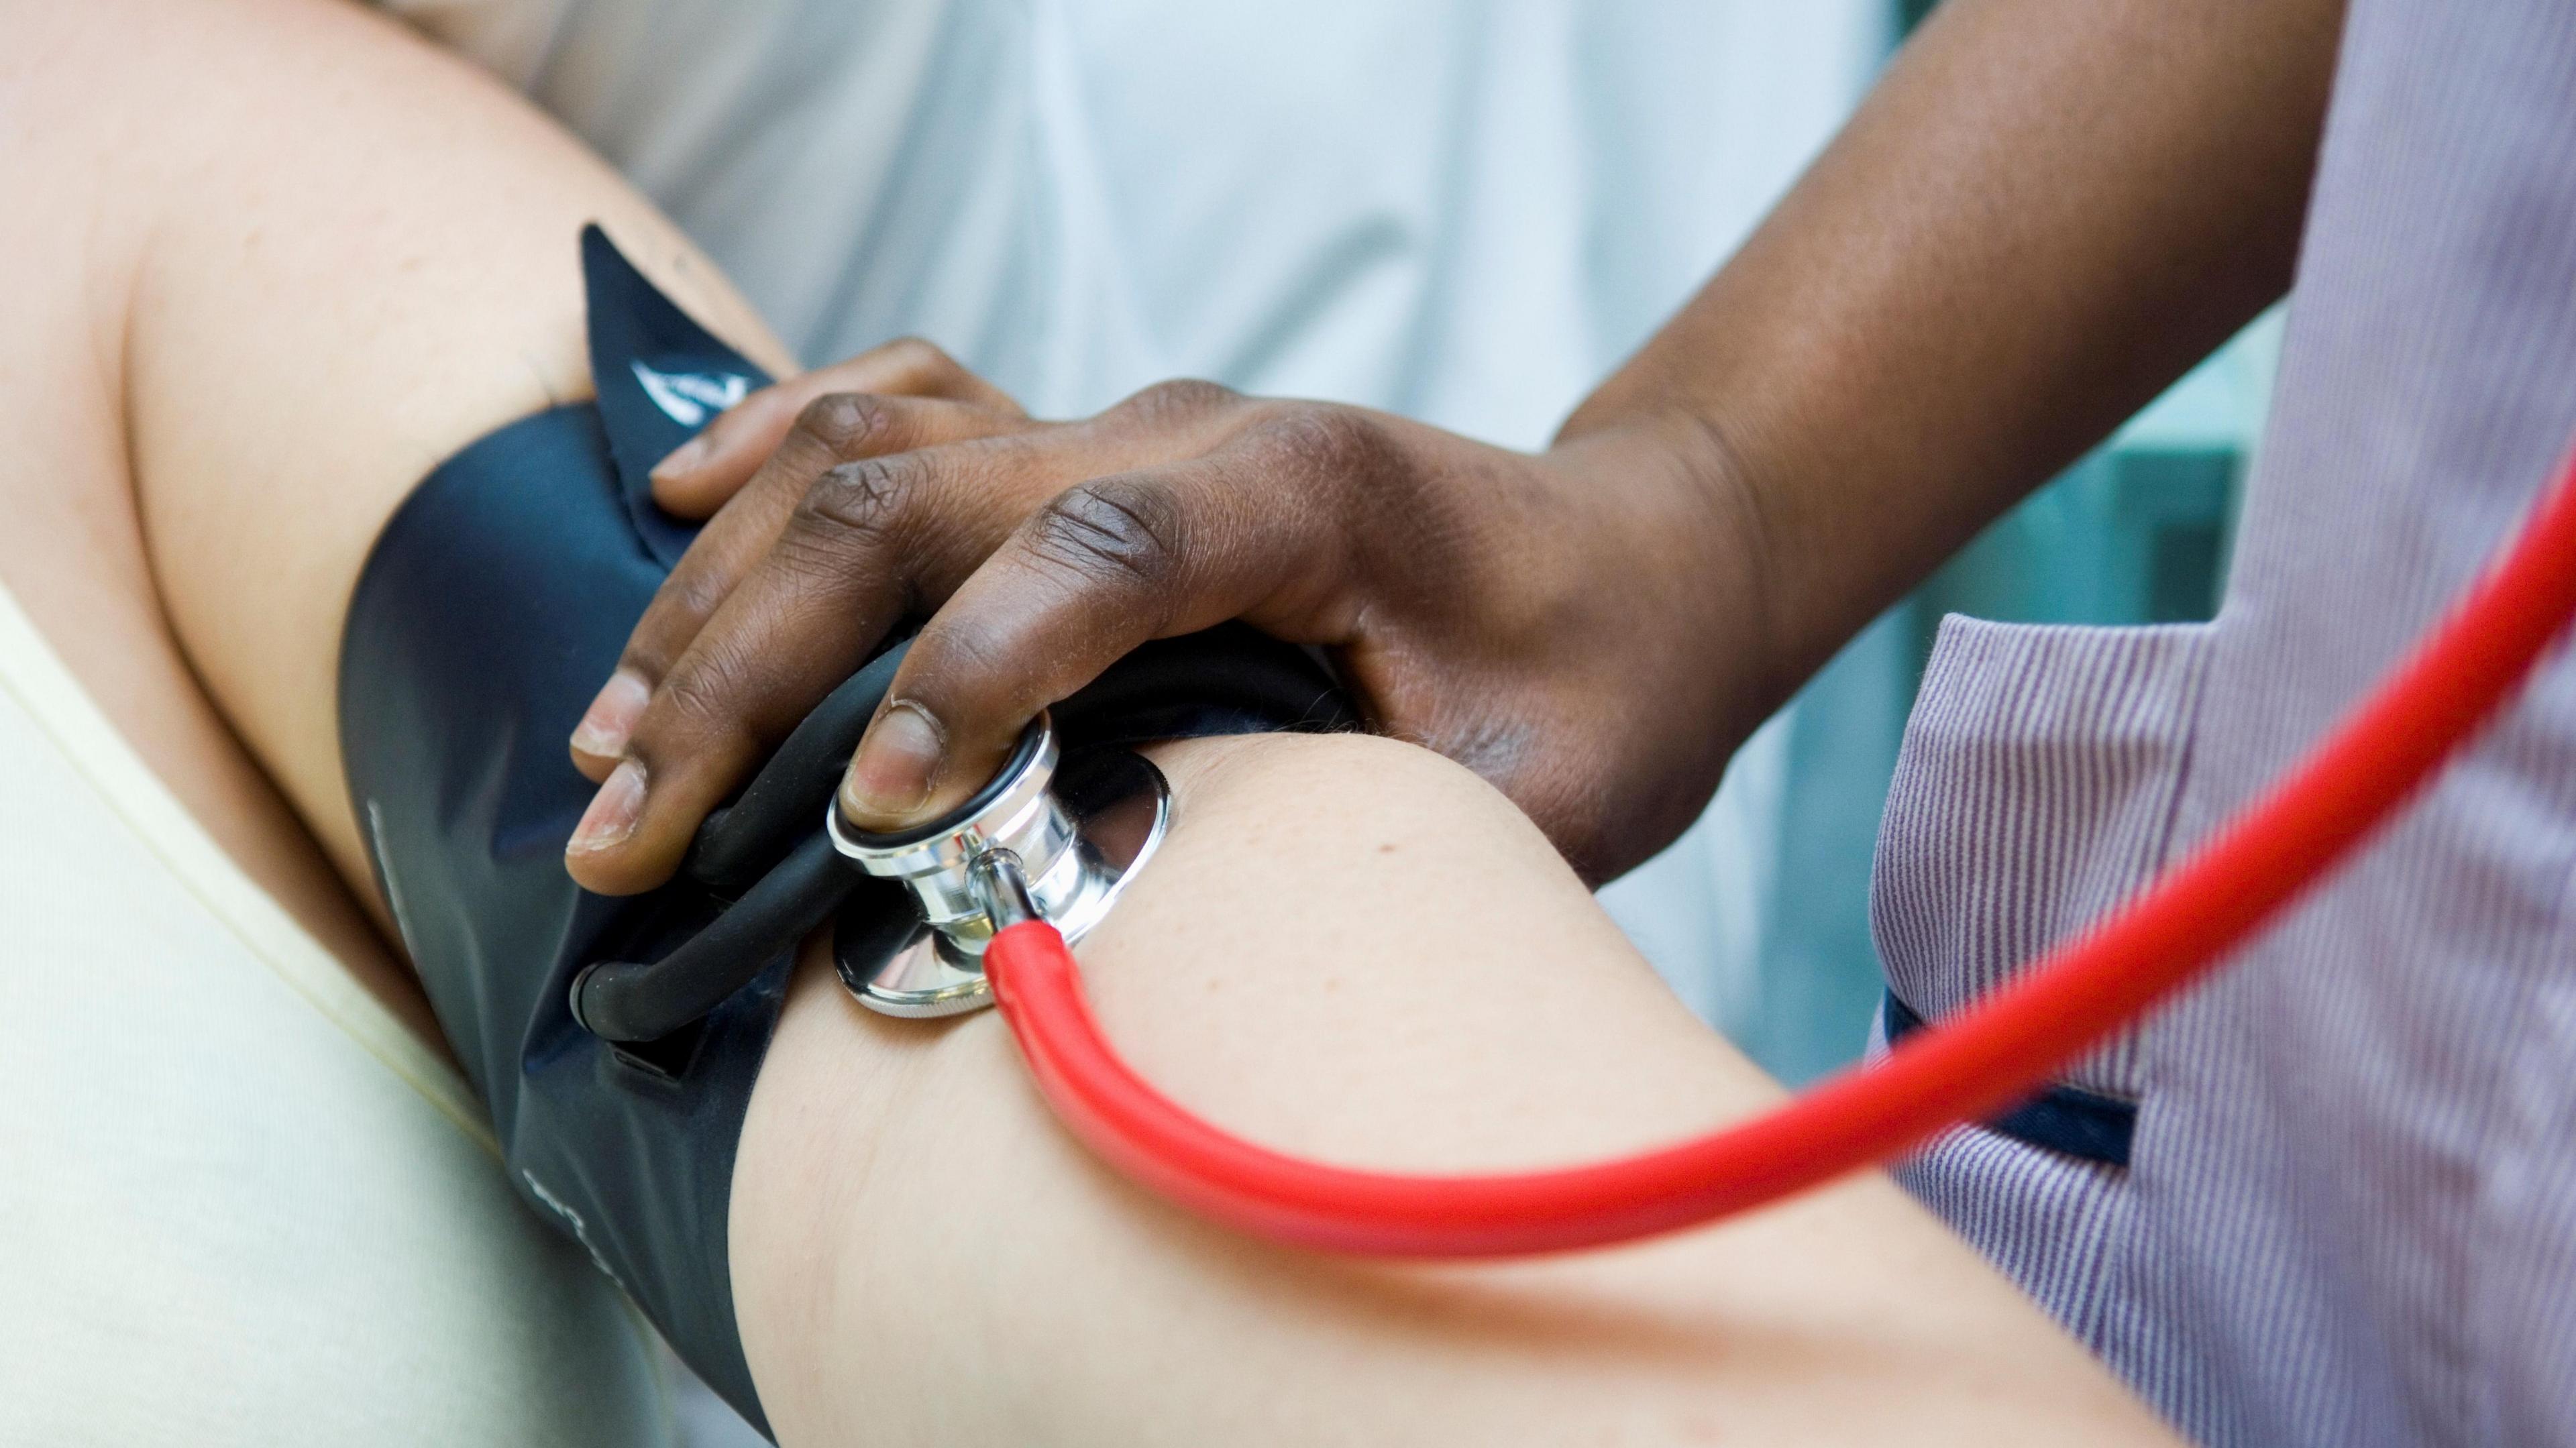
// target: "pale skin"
[[290, 258]]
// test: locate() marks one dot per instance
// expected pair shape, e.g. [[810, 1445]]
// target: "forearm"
[[2042, 216], [1354, 950]]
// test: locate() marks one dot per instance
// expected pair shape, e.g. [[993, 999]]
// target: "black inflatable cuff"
[[495, 603]]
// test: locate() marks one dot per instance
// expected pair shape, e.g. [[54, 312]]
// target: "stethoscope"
[[1007, 883]]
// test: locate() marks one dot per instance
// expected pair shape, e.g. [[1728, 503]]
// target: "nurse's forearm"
[[2042, 216]]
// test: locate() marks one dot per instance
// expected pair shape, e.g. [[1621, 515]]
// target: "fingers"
[[704, 472], [802, 575], [852, 554], [830, 431], [1100, 569]]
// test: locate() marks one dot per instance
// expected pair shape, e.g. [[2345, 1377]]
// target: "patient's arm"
[[1354, 949], [288, 259]]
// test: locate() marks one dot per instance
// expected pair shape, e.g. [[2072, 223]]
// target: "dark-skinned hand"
[[1552, 621]]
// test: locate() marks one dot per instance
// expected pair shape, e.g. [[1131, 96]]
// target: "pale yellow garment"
[[239, 1203]]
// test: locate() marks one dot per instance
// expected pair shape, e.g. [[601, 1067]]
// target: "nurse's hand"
[[1578, 625]]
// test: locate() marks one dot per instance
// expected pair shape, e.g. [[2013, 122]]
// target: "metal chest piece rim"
[[1080, 830]]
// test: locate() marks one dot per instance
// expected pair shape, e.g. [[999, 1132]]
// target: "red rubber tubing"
[[1983, 1059]]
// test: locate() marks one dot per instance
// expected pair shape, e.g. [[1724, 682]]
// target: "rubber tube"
[[777, 810], [1981, 1060], [634, 1001]]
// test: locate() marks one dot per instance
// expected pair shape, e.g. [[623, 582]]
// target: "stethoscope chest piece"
[[1079, 831]]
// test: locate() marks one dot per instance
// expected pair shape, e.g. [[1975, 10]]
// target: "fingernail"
[[610, 720], [613, 811], [687, 455], [895, 765]]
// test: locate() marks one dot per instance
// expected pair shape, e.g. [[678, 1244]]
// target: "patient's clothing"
[[240, 1203], [2349, 1211]]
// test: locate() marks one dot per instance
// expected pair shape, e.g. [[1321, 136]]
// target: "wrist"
[[1687, 527]]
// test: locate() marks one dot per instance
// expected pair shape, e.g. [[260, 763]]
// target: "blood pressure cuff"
[[494, 605]]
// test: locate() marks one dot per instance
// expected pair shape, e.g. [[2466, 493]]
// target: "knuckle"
[[1321, 438], [849, 424], [1180, 400], [694, 594], [1115, 529], [860, 499], [962, 651], [701, 705], [920, 357]]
